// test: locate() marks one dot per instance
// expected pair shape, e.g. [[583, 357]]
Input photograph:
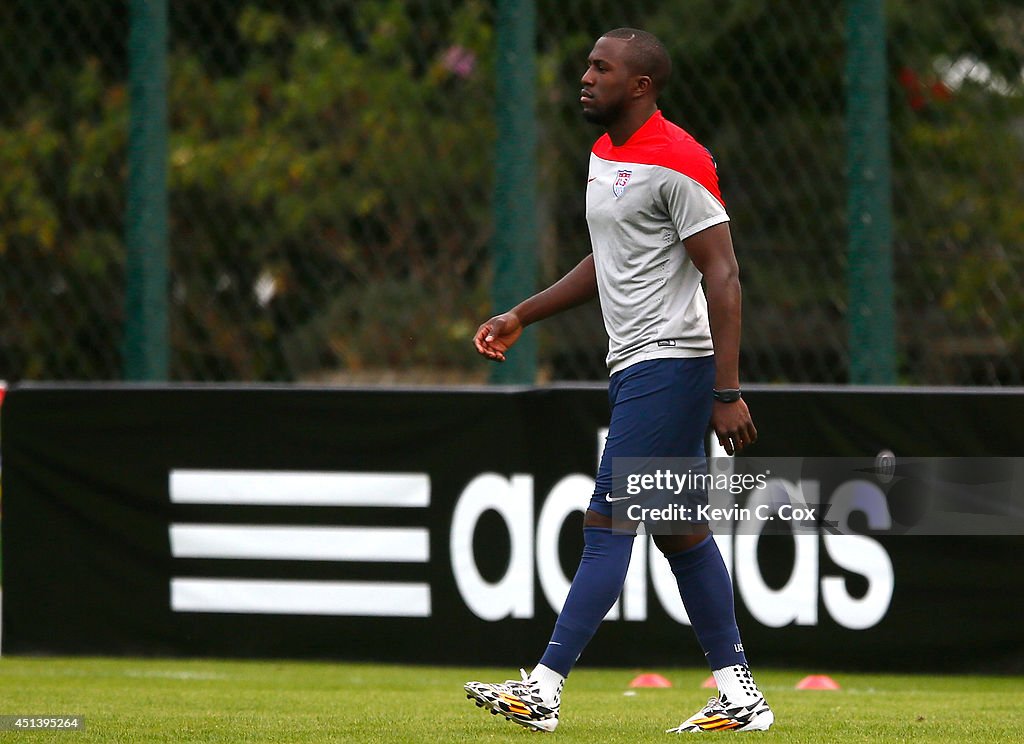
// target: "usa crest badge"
[[621, 179]]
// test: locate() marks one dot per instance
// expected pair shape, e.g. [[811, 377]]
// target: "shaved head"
[[645, 55]]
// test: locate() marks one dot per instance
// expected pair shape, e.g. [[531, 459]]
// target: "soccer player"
[[658, 227]]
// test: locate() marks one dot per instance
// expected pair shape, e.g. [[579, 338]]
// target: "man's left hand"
[[733, 425]]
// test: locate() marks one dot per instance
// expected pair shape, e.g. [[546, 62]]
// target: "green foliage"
[[60, 160], [959, 184], [330, 172], [322, 179], [331, 165]]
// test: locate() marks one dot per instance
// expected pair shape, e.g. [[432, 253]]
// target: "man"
[[658, 226]]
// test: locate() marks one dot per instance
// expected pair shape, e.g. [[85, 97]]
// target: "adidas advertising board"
[[388, 525]]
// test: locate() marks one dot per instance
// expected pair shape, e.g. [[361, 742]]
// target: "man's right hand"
[[497, 335]]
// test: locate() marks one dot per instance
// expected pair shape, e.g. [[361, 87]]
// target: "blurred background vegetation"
[[331, 168]]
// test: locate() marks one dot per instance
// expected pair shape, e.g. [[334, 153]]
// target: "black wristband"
[[730, 395]]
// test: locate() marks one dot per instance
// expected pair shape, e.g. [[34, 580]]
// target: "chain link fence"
[[332, 162]]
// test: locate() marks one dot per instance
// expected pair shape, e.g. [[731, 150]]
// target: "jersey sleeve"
[[691, 205]]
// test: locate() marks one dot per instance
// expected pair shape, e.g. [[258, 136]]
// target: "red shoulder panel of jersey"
[[662, 143]]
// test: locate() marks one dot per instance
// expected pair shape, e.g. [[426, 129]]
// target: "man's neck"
[[620, 131]]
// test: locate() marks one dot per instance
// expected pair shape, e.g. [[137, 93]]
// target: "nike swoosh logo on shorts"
[[610, 500]]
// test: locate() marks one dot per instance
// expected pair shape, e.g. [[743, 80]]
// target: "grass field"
[[134, 700]]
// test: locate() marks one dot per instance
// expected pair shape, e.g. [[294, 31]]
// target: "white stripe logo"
[[257, 596], [299, 488], [259, 542], [300, 543]]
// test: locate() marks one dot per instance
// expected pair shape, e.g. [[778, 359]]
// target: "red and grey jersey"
[[643, 200]]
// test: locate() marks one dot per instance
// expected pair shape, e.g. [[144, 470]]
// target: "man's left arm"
[[712, 254]]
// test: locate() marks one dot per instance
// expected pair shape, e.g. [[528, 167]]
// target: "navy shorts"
[[660, 408]]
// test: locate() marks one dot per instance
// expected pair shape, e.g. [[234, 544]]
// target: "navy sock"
[[706, 591], [596, 586]]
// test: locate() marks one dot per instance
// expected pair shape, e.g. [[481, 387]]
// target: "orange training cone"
[[817, 682], [650, 680], [709, 682]]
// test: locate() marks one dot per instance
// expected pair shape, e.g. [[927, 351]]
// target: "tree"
[[331, 172]]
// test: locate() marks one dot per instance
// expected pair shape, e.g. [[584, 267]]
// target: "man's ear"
[[642, 85]]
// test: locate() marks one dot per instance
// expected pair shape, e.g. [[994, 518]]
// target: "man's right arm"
[[494, 337]]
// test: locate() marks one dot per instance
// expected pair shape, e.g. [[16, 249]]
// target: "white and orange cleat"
[[520, 701]]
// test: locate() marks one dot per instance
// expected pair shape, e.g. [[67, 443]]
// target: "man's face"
[[606, 83]]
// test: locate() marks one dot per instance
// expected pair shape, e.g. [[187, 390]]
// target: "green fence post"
[[514, 246], [146, 327], [871, 317]]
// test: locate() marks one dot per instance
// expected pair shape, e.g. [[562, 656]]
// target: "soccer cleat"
[[520, 701], [720, 715]]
